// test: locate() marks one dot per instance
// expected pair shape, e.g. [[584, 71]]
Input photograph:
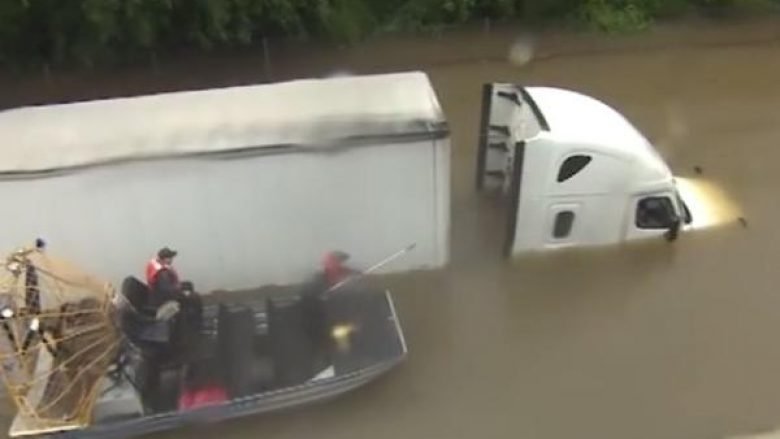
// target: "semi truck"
[[575, 172]]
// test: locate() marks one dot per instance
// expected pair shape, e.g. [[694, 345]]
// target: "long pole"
[[374, 267]]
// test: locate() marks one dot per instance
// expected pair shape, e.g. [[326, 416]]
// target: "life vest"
[[153, 268], [196, 398]]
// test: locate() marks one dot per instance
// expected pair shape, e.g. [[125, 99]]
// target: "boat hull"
[[307, 394], [313, 391]]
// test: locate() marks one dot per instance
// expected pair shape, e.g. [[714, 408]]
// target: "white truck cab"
[[576, 172]]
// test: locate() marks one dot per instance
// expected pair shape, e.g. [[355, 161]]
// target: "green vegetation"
[[55, 32]]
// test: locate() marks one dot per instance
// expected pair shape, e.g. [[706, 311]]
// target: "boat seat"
[[235, 341], [153, 338], [293, 349], [138, 321]]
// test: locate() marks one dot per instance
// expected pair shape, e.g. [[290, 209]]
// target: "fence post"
[[266, 59], [154, 61], [47, 73]]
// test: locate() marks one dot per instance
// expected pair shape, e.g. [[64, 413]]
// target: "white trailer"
[[250, 184], [575, 171]]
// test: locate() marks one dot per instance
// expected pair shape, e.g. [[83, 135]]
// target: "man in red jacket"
[[335, 269]]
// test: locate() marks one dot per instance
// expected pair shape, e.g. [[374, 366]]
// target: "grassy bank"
[[36, 33]]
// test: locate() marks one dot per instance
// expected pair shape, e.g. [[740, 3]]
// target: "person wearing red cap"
[[334, 267], [333, 271]]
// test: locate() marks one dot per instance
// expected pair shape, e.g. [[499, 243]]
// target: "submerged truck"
[[575, 171], [251, 184]]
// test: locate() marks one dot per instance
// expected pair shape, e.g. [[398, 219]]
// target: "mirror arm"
[[674, 230]]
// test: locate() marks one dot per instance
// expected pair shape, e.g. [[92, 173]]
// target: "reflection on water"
[[766, 435], [709, 204], [521, 51]]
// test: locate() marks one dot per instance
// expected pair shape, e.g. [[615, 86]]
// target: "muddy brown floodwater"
[[650, 341]]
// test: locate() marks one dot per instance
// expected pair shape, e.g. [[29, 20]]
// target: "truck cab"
[[575, 171]]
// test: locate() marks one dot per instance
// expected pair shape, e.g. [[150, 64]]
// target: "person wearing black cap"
[[162, 278], [165, 285]]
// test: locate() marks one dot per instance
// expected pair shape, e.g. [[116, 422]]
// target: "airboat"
[[81, 359]]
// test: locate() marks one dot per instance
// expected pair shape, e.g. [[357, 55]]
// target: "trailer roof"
[[302, 113]]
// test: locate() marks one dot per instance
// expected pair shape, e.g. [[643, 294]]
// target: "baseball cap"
[[166, 253]]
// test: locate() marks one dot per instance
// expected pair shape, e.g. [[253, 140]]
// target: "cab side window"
[[572, 165], [655, 213]]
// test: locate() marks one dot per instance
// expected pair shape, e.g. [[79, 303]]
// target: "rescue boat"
[[81, 359]]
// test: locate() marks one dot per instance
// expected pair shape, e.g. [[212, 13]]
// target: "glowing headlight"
[[709, 204]]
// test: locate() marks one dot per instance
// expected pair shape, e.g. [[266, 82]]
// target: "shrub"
[[616, 16], [101, 31]]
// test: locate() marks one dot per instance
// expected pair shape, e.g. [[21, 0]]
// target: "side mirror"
[[686, 212], [674, 230]]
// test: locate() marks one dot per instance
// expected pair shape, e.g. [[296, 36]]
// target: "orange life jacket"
[[153, 268]]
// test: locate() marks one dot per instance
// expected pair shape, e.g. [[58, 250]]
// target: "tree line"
[[90, 32]]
